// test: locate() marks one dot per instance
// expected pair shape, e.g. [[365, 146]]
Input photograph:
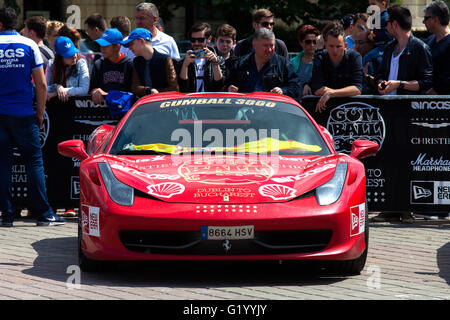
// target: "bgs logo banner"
[[355, 120]]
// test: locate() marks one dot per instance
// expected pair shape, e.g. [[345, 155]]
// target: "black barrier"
[[75, 119], [411, 172]]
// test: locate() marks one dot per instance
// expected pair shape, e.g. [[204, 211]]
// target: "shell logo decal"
[[166, 189], [277, 191]]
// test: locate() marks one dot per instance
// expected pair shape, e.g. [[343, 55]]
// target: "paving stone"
[[407, 261]]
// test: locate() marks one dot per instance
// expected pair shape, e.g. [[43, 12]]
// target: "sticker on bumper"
[[90, 220], [357, 219]]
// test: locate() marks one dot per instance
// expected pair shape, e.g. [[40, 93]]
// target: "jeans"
[[22, 132]]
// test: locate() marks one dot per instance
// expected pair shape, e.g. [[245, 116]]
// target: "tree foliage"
[[12, 4], [238, 12]]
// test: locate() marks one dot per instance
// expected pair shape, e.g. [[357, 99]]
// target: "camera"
[[199, 53], [383, 85]]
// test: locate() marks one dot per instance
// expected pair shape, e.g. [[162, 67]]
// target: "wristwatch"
[[401, 85], [148, 90]]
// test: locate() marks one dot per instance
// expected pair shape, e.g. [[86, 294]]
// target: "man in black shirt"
[[201, 73], [262, 18], [436, 20], [114, 70], [264, 70], [337, 72]]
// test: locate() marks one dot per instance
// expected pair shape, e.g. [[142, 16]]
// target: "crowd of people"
[[346, 58]]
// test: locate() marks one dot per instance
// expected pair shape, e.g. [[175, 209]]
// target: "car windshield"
[[219, 125]]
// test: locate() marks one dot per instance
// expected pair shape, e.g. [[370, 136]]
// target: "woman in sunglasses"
[[303, 63]]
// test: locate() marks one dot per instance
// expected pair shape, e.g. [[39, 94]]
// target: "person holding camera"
[[153, 72], [201, 69]]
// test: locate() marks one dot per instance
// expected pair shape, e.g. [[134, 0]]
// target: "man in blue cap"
[[114, 70], [153, 72]]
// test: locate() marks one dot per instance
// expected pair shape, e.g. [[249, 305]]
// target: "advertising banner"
[[411, 171]]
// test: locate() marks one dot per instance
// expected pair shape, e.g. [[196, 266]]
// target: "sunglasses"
[[425, 18], [193, 40], [265, 24], [310, 41]]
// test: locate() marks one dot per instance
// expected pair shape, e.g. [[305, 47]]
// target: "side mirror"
[[98, 138], [363, 149], [73, 148]]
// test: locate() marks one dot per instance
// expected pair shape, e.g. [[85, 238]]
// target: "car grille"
[[190, 242]]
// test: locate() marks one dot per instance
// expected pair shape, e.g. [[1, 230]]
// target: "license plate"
[[227, 233]]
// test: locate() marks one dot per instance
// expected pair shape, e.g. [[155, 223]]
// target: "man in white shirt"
[[147, 17], [406, 67]]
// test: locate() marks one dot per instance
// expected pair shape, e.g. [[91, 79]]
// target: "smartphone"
[[199, 53]]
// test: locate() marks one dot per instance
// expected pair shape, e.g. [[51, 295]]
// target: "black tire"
[[86, 264], [355, 266]]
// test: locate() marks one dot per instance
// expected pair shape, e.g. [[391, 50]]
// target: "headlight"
[[119, 192], [330, 192]]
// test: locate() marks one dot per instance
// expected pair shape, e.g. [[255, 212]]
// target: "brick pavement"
[[405, 262]]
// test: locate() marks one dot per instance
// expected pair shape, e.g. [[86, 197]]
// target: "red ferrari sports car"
[[220, 176]]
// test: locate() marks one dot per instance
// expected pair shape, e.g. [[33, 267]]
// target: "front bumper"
[[156, 230]]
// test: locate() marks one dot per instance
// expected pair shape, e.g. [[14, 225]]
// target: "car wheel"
[[355, 266], [86, 264]]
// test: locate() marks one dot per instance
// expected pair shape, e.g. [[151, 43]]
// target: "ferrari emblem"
[[226, 246]]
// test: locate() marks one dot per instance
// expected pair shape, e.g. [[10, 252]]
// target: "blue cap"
[[138, 33], [65, 47], [109, 37]]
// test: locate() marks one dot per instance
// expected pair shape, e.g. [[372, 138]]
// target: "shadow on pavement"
[[55, 256], [443, 262]]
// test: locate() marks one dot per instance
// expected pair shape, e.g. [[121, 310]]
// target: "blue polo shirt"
[[19, 56]]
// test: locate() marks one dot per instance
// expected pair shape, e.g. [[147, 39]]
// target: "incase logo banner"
[[430, 192], [430, 105]]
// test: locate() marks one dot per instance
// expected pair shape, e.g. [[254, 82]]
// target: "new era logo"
[[420, 192]]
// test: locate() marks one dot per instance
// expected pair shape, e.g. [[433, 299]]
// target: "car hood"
[[223, 179]]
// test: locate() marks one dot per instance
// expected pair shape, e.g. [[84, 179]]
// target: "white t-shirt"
[[127, 51], [164, 43], [393, 71], [199, 65]]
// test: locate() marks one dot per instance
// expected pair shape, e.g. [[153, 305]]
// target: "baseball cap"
[[65, 47], [138, 33], [109, 37]]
